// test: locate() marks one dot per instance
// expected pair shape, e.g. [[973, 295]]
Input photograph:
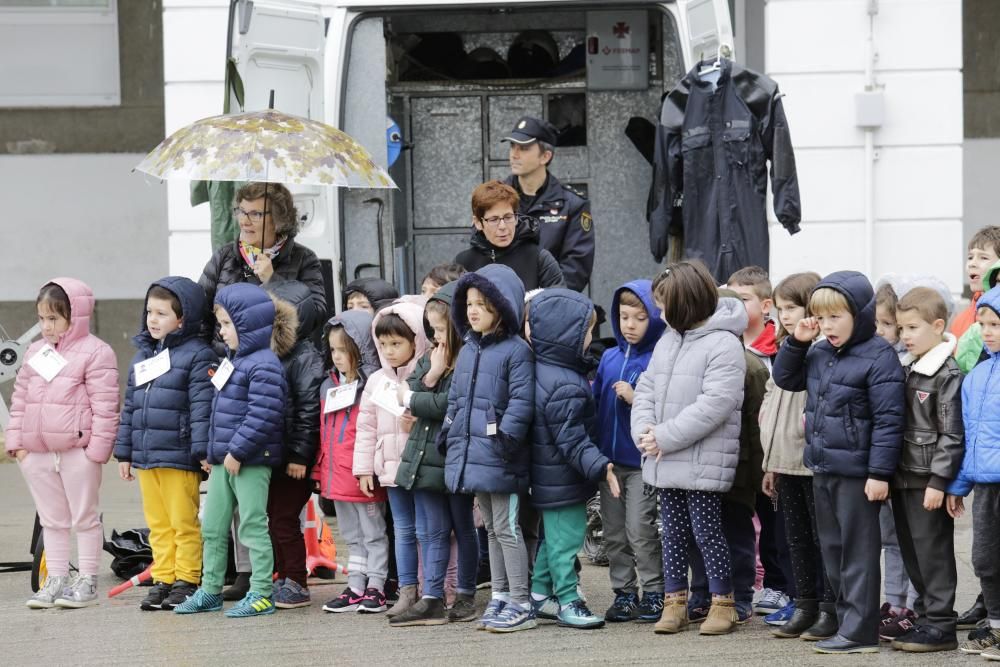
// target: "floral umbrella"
[[267, 146]]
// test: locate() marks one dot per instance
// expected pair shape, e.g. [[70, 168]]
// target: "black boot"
[[972, 615], [826, 624], [805, 615], [239, 589]]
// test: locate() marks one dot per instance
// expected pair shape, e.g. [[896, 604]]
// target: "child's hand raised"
[[956, 506], [232, 465], [613, 485], [439, 364], [125, 470], [806, 330], [876, 490]]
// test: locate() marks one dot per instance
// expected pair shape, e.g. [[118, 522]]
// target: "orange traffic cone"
[[321, 551]]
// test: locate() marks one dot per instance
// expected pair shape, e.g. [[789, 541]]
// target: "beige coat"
[[782, 430]]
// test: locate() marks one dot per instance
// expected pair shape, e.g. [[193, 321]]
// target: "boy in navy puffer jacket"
[[629, 521], [565, 461], [248, 418], [163, 433], [855, 414]]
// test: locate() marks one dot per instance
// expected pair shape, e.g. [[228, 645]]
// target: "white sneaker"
[[80, 592], [770, 601], [46, 596]]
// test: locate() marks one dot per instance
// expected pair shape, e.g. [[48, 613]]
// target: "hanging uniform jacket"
[[711, 153]]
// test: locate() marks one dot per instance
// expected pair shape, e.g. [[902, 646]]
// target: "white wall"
[[85, 216], [815, 49]]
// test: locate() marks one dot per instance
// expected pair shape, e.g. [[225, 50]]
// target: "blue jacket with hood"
[[565, 461], [248, 414], [624, 363], [164, 422], [981, 417], [493, 384], [855, 405]]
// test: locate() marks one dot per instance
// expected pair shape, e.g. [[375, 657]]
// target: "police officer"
[[563, 215]]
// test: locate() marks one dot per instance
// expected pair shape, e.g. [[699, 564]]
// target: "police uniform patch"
[[586, 221]]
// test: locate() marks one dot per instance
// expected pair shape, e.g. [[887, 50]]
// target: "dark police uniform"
[[565, 226]]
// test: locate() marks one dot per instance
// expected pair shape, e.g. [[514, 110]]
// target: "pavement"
[[117, 632]]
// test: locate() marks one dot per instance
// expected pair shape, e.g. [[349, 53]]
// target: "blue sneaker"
[[547, 609], [291, 595], [493, 610], [576, 615], [781, 616], [254, 604], [512, 618], [650, 608], [624, 608], [201, 601]]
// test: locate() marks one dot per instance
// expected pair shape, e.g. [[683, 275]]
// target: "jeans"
[[404, 519], [438, 514]]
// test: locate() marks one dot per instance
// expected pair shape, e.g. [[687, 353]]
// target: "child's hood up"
[[856, 288], [252, 313], [644, 290], [501, 287], [81, 307], [192, 299], [560, 319], [357, 324], [411, 310]]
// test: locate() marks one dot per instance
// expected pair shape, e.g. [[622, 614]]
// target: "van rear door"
[[707, 25]]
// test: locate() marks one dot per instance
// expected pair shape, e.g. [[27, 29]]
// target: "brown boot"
[[721, 617], [675, 614], [407, 598]]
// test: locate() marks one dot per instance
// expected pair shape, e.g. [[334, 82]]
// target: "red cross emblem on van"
[[621, 29]]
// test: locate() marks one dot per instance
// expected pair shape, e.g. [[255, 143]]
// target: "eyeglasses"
[[252, 216], [495, 221]]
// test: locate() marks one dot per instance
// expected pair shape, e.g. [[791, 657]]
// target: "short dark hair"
[[280, 205], [162, 293], [987, 238], [629, 298], [55, 299], [928, 303], [442, 274], [489, 194], [687, 294], [392, 324], [755, 277]]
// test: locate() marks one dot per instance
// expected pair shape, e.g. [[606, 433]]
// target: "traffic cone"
[[134, 581], [319, 543]]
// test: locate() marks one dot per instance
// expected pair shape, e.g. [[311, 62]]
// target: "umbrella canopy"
[[267, 146]]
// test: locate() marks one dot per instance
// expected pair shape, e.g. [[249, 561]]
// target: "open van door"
[[707, 25]]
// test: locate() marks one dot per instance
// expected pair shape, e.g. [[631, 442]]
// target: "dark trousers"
[[689, 519], [927, 544], [795, 500], [986, 544], [773, 548], [737, 526], [285, 499], [851, 541]]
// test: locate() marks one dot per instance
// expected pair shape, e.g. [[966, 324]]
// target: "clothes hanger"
[[722, 52]]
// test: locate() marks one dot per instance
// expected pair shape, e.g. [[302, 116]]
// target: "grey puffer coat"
[[691, 395]]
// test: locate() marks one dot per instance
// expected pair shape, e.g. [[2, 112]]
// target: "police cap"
[[529, 129]]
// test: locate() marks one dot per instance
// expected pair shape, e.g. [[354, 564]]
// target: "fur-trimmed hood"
[[286, 323], [501, 286]]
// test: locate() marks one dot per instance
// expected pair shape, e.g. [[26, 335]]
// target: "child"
[[686, 422], [854, 430], [164, 434], [753, 286], [565, 462], [490, 408], [351, 358], [980, 471], [381, 435], [248, 414], [984, 251], [786, 479], [371, 294], [970, 349], [291, 486], [629, 521], [931, 457], [438, 277], [421, 471], [63, 415]]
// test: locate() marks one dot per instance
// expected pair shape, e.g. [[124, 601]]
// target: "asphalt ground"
[[117, 632]]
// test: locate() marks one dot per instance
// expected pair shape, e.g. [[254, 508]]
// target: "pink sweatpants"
[[65, 487]]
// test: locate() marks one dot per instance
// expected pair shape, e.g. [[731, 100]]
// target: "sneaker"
[[981, 631], [992, 653], [925, 639], [155, 597], [650, 607], [201, 601], [885, 613], [346, 601], [744, 612], [547, 609], [46, 596], [781, 616], [291, 595], [179, 592], [425, 611], [576, 615], [463, 610], [988, 639], [697, 612], [79, 592], [493, 610], [239, 589], [512, 618], [276, 586], [898, 626], [372, 602], [770, 601], [624, 608], [254, 604]]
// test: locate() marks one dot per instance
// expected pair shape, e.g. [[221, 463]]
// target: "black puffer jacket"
[[294, 262], [533, 264], [380, 293], [303, 370]]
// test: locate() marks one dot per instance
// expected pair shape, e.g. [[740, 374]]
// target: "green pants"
[[248, 490], [555, 572]]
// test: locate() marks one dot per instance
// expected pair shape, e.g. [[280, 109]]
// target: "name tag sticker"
[[222, 374], [386, 398], [152, 368], [338, 398], [47, 362]]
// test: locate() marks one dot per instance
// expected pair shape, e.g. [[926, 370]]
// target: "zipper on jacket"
[[493, 255], [979, 414], [614, 431], [468, 410]]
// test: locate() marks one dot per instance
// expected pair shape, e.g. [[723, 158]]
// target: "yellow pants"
[[170, 504]]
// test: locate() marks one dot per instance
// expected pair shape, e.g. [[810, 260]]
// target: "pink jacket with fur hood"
[[380, 438], [79, 407]]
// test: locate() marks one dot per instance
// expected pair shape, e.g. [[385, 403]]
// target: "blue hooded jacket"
[[625, 362], [164, 422], [855, 405], [248, 415], [493, 384], [565, 461], [981, 417]]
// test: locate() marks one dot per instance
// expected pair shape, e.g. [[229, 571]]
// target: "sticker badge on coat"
[[47, 362], [222, 374], [148, 370], [922, 396], [340, 397]]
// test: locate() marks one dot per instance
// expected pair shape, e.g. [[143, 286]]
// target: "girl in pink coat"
[[63, 419]]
